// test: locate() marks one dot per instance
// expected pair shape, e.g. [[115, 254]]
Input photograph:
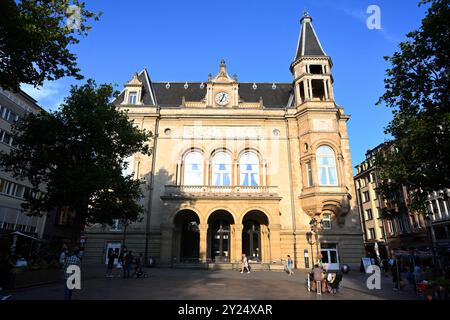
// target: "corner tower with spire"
[[311, 67]]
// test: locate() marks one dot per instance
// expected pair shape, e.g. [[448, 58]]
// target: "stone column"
[[178, 182], [306, 90], [237, 241], [203, 241], [236, 181], [297, 92], [311, 96], [206, 175], [166, 243], [265, 252], [325, 85]]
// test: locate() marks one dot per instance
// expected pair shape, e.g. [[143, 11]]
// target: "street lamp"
[[310, 241], [315, 228]]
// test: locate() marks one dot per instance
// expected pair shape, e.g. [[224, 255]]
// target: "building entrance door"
[[113, 246], [251, 240], [221, 241], [330, 256]]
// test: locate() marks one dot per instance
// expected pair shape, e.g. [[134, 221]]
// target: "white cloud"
[[47, 91]]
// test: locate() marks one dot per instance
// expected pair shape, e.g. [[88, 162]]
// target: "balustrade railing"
[[179, 190]]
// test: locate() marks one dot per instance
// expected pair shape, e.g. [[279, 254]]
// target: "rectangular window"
[[19, 191], [309, 173], [391, 227], [366, 196], [132, 96], [383, 233], [117, 225], [369, 215], [326, 222], [2, 185], [371, 234]]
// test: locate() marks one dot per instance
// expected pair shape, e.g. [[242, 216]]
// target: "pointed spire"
[[308, 44]]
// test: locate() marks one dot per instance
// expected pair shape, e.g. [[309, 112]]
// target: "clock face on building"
[[222, 98]]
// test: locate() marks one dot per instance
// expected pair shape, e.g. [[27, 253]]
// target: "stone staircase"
[[228, 266]]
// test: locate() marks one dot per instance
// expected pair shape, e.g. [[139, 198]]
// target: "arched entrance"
[[186, 237], [254, 234], [219, 236]]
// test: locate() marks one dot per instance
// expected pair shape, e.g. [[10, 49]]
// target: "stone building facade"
[[241, 168], [13, 107], [405, 230]]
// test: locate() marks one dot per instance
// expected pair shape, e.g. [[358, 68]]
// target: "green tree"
[[77, 156], [35, 39], [417, 89]]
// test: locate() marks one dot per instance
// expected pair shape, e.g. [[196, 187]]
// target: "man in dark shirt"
[[128, 264]]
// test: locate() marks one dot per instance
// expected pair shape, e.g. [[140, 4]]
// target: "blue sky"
[[185, 41]]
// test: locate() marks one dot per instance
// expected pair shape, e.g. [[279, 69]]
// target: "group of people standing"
[[126, 262]]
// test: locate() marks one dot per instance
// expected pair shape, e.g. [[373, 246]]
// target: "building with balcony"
[[241, 168]]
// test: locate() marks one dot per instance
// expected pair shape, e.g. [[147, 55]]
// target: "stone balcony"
[[189, 192]]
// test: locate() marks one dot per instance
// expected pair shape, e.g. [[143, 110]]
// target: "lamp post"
[[315, 228], [310, 241]]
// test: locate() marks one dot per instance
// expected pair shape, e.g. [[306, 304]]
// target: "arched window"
[[249, 165], [326, 166], [193, 169], [221, 169]]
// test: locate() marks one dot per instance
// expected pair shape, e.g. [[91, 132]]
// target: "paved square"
[[187, 284]]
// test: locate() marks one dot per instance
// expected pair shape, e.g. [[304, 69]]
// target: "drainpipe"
[[291, 189], [152, 182]]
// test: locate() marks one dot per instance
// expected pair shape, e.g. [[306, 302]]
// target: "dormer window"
[[133, 91], [132, 97]]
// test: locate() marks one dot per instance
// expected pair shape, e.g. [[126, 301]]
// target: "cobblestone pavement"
[[185, 284]]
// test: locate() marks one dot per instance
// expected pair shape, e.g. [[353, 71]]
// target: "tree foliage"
[[77, 154], [35, 39], [417, 89]]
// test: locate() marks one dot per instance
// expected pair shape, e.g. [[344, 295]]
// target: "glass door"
[[221, 243], [330, 256]]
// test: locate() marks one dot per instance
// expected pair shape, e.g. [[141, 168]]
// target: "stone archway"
[[220, 236], [255, 236], [186, 237]]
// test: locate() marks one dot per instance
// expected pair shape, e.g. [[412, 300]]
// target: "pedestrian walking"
[[395, 272], [138, 265], [245, 265], [73, 259], [112, 256], [289, 265], [128, 265]]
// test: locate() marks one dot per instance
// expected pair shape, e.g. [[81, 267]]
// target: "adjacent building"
[[438, 204], [13, 106], [405, 230], [241, 168]]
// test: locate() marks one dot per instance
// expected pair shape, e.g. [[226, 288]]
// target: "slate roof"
[[308, 44], [277, 96]]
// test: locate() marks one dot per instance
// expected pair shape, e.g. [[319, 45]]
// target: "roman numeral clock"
[[222, 98]]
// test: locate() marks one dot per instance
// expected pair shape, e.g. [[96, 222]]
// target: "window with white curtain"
[[249, 165], [326, 166], [221, 169], [193, 169]]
